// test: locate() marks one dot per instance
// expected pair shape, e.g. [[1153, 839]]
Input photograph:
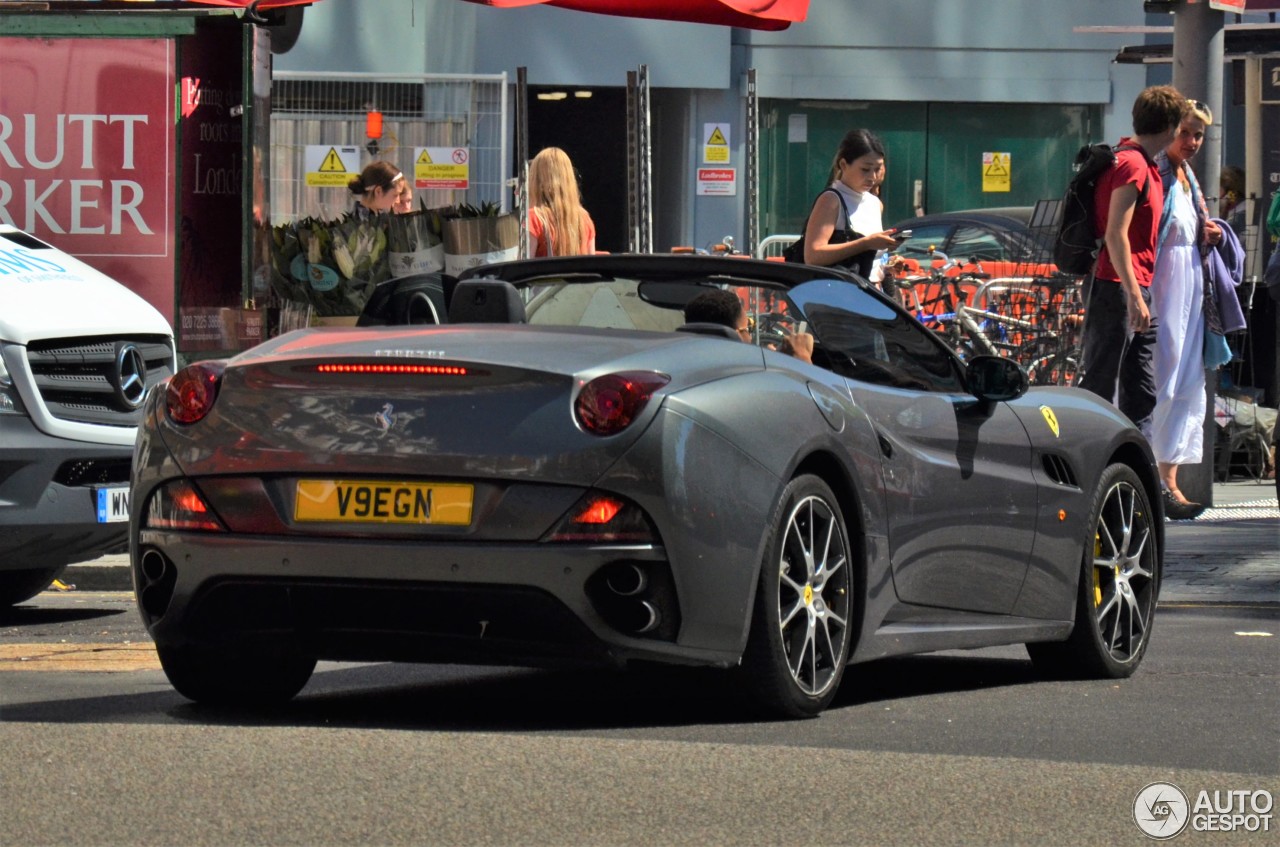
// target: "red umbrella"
[[748, 14]]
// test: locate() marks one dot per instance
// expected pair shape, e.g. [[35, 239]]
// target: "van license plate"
[[383, 501], [112, 504]]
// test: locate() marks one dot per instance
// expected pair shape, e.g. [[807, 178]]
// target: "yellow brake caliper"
[[1097, 571]]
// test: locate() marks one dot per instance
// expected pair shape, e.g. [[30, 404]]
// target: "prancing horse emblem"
[[386, 417]]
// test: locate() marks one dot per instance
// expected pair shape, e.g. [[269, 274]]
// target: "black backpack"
[[1075, 249]]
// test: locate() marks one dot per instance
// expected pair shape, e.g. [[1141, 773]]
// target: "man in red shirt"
[[1119, 330]]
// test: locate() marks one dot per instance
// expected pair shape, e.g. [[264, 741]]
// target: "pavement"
[[1229, 554]]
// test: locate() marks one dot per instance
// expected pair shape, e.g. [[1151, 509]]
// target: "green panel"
[[99, 25], [792, 173], [1042, 141]]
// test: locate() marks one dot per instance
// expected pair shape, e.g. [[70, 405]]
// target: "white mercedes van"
[[78, 353]]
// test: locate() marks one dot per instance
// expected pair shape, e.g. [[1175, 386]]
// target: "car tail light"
[[608, 404], [178, 505], [192, 390], [603, 518]]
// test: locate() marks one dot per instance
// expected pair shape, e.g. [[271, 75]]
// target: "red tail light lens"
[[177, 505], [603, 519], [608, 404], [192, 390]]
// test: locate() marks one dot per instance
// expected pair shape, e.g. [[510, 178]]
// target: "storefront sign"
[[87, 153], [718, 182], [211, 232], [441, 167]]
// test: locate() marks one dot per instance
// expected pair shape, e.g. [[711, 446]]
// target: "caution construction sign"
[[330, 165]]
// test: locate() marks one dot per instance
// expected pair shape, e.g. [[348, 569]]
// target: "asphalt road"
[[950, 748]]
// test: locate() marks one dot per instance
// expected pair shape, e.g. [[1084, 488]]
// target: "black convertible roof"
[[659, 266]]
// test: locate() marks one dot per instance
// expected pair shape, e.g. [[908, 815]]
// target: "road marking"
[[78, 658]]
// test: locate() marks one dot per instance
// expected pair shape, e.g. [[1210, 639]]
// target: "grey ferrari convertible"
[[542, 463]]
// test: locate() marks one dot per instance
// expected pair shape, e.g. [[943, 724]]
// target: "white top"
[[865, 210]]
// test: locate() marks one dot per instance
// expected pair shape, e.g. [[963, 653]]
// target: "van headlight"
[[9, 402]]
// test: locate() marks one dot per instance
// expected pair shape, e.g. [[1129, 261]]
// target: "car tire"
[[259, 677], [17, 586], [802, 621], [1118, 587]]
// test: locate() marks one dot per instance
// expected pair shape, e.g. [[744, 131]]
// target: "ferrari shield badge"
[[1051, 419]]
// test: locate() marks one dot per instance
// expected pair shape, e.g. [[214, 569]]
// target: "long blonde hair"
[[554, 197]]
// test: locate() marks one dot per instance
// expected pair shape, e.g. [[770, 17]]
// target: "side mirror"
[[995, 379]]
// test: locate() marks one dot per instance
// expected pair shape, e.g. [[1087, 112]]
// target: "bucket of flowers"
[[330, 266]]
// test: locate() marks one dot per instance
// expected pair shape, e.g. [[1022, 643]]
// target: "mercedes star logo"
[[130, 376]]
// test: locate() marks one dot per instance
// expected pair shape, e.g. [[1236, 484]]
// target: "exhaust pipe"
[[154, 566], [158, 580], [627, 580]]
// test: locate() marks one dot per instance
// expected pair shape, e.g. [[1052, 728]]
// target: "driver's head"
[[718, 306]]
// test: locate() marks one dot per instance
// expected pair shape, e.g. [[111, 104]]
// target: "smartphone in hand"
[[901, 235]]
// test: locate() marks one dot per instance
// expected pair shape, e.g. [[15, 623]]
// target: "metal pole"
[[522, 157], [1198, 36], [753, 166], [633, 169], [646, 164]]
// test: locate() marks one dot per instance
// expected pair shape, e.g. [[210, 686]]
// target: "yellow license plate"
[[379, 501]]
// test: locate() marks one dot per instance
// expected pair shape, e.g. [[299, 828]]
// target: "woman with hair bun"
[[375, 189], [558, 224], [844, 226]]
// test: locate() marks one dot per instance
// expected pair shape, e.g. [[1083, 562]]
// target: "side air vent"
[[1059, 470]]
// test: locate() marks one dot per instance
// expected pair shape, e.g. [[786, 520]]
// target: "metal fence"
[[418, 110]]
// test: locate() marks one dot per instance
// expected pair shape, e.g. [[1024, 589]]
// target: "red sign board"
[[87, 153]]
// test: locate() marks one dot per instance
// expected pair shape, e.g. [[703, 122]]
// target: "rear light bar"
[[442, 370]]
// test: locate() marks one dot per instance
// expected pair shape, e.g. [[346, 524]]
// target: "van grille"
[[98, 380]]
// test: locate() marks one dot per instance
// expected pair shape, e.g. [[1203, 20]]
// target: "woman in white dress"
[[1177, 295]]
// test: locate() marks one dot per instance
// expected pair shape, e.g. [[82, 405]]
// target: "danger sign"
[[441, 167], [330, 166], [715, 144], [996, 173]]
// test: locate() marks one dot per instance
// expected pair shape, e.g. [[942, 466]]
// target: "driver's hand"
[[800, 345]]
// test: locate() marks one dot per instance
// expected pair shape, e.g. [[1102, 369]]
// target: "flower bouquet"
[[331, 266], [414, 242], [478, 236]]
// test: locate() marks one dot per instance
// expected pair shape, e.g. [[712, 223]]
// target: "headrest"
[[488, 301], [718, 330]]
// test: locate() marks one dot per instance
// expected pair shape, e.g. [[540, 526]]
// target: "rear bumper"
[[48, 512], [497, 603]]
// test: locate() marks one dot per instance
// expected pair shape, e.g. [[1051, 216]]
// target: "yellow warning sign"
[[996, 172], [329, 165], [715, 147], [332, 163], [441, 167]]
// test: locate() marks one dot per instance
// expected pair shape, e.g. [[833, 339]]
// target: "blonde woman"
[[558, 225], [1177, 301]]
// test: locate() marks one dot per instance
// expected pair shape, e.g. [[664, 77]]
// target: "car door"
[[961, 498]]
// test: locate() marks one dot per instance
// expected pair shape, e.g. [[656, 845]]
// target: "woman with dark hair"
[[375, 189], [844, 226]]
